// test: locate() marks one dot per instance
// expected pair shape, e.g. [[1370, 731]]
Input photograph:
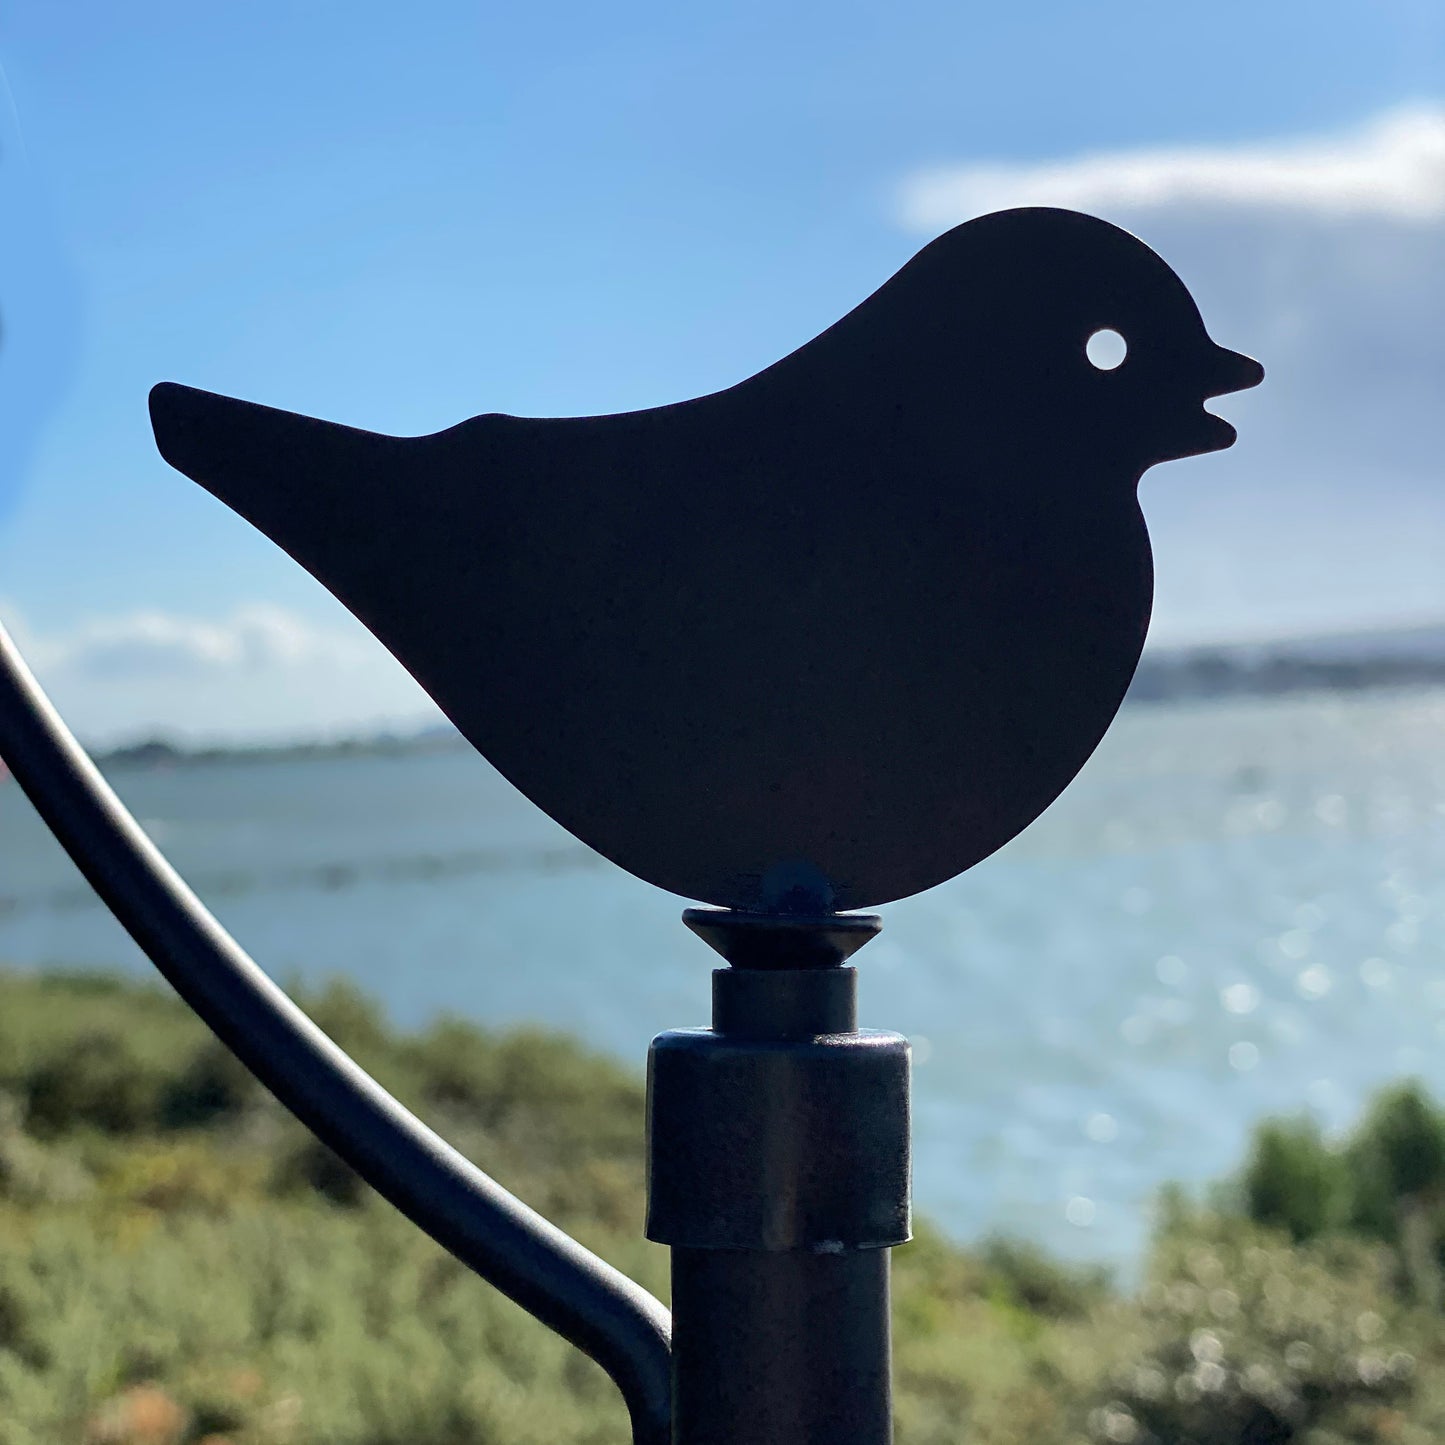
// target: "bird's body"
[[817, 641]]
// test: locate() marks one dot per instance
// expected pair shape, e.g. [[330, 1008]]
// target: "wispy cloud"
[[1392, 167], [1321, 255], [151, 644], [260, 670]]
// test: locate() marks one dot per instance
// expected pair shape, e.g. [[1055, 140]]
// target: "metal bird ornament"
[[809, 644]]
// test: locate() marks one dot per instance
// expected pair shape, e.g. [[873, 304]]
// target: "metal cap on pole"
[[778, 1172]]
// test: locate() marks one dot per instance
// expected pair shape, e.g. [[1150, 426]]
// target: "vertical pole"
[[781, 1346], [778, 1158]]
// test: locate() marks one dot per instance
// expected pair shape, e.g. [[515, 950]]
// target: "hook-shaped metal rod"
[[571, 1290]]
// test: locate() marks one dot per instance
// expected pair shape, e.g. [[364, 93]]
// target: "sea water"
[[1238, 909]]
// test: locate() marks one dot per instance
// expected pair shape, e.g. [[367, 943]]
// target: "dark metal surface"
[[778, 1143], [781, 1003], [544, 1270], [812, 643], [778, 1171], [781, 1349], [791, 941]]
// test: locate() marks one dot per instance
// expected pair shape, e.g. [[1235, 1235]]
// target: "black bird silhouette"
[[812, 643]]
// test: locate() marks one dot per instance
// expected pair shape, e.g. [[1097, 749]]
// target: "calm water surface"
[[1237, 909]]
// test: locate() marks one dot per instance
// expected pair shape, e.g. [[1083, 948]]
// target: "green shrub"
[[1293, 1181], [1397, 1154], [99, 1081], [307, 1166], [1027, 1277], [1240, 1337], [210, 1086], [174, 1266]]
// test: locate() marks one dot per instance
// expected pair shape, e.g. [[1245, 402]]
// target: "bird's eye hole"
[[1106, 349]]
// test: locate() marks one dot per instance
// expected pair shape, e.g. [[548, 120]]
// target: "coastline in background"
[[1382, 658], [1235, 910]]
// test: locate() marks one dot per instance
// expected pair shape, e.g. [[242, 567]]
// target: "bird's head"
[[1083, 340]]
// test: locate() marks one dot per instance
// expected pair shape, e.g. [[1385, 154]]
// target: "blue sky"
[[402, 216]]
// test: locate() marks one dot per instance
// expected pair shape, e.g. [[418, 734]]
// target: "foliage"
[[1386, 1182], [1242, 1336], [180, 1261], [181, 1265], [1293, 1181]]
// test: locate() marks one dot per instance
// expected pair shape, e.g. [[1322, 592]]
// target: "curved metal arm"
[[545, 1271]]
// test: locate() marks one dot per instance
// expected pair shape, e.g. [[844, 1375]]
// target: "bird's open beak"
[[1225, 371]]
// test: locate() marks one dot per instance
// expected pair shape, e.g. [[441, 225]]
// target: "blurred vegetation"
[[181, 1265]]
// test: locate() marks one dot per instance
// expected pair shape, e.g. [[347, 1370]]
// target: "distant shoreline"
[[1197, 675], [1239, 671], [163, 752]]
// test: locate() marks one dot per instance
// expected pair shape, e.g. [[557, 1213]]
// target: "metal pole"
[[778, 1157]]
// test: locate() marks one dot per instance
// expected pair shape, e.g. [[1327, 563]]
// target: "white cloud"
[[257, 670], [1324, 257], [153, 643], [1392, 167]]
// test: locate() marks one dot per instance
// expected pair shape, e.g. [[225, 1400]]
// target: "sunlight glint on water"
[[1237, 909]]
